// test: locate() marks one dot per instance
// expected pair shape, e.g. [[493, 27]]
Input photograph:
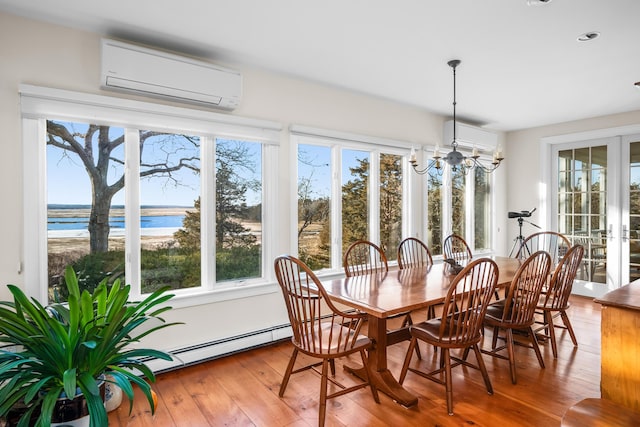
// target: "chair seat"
[[331, 339], [429, 331], [495, 313], [497, 306]]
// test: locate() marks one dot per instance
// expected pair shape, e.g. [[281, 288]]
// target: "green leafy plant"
[[65, 347]]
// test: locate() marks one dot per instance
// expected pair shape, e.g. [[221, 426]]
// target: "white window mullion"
[[373, 197], [34, 259], [208, 211], [132, 210], [295, 142], [336, 207], [447, 211], [618, 207], [270, 209], [469, 190]]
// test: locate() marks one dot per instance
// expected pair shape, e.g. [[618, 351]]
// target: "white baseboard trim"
[[211, 350]]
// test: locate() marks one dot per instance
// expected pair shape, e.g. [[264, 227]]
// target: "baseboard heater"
[[220, 348]]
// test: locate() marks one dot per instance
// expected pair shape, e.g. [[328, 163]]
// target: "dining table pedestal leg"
[[382, 377]]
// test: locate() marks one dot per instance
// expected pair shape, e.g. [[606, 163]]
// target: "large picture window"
[[358, 190], [87, 227], [362, 184], [156, 200], [458, 203]]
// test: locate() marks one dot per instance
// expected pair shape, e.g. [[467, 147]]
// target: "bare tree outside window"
[[314, 206], [85, 179]]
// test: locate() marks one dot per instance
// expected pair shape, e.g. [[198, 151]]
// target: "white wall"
[[52, 56]]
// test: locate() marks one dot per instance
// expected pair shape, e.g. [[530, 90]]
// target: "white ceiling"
[[521, 64]]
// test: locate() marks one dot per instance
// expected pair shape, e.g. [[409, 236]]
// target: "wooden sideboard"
[[620, 355]]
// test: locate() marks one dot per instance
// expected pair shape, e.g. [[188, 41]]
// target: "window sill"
[[239, 290]]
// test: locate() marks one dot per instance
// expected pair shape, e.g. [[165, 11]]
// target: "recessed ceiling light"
[[537, 2], [588, 36]]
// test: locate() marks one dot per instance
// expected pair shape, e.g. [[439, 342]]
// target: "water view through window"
[[87, 225]]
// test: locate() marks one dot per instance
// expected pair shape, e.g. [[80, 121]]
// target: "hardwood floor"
[[242, 390]]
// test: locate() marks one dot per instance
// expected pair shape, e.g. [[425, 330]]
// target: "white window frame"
[[40, 104], [338, 141], [469, 194]]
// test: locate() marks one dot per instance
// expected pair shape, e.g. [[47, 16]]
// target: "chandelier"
[[455, 159]]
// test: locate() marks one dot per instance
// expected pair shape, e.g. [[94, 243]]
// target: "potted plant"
[[54, 353]]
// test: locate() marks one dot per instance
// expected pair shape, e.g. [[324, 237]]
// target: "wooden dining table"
[[383, 295]]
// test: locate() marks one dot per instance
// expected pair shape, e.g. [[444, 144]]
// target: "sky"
[[68, 181], [314, 163]]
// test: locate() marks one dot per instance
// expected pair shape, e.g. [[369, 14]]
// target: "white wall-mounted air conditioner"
[[470, 136], [152, 72]]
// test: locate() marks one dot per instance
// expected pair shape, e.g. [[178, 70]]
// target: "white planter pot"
[[73, 412], [80, 422], [112, 395]]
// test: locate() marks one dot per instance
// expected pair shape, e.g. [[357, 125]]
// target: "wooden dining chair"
[[456, 248], [459, 327], [413, 252], [555, 244], [320, 330], [517, 310], [365, 257], [555, 301]]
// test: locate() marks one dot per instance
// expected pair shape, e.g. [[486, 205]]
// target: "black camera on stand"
[[519, 241], [521, 214]]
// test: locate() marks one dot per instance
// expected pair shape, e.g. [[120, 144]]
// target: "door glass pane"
[[434, 212], [580, 203], [85, 203], [238, 209], [390, 204], [169, 211], [581, 159], [565, 160], [565, 203], [355, 196], [582, 206], [565, 224], [314, 205], [599, 157], [634, 211]]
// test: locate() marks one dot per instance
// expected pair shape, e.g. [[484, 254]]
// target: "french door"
[[630, 224], [585, 202], [597, 204]]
